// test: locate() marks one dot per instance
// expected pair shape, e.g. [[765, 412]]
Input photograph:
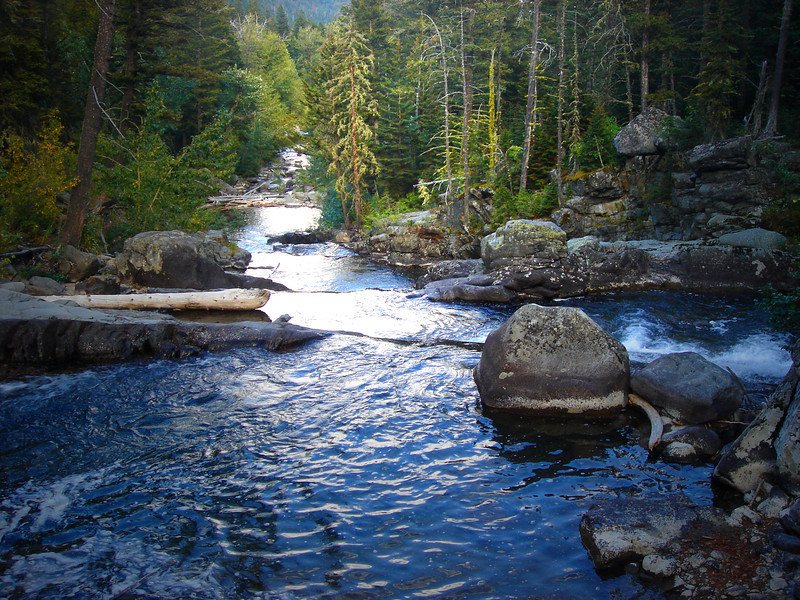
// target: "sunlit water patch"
[[348, 466], [353, 467]]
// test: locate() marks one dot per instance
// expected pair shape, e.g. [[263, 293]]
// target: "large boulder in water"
[[523, 238], [553, 361], [688, 387]]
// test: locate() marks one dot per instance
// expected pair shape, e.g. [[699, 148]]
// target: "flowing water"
[[358, 466]]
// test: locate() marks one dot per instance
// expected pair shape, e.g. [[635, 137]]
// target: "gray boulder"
[[38, 333], [473, 289], [620, 530], [775, 432], [173, 259], [754, 238], [583, 244], [78, 265], [643, 135], [553, 361], [704, 442], [731, 154], [688, 387], [524, 238], [44, 286]]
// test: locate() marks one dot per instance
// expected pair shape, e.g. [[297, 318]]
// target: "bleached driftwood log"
[[233, 299], [656, 424]]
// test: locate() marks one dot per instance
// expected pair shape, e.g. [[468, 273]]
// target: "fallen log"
[[233, 299], [656, 424]]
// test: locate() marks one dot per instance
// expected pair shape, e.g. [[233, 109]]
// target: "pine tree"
[[713, 96], [533, 96], [282, 22], [353, 160]]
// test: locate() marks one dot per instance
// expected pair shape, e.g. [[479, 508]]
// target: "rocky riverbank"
[[37, 334], [557, 361]]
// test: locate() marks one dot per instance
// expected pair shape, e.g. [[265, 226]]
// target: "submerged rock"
[[704, 442], [688, 387], [551, 361]]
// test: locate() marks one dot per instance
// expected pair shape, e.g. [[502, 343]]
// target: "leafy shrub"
[[525, 205], [596, 148], [159, 191], [31, 176]]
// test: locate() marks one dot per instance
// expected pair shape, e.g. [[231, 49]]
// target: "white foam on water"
[[759, 356]]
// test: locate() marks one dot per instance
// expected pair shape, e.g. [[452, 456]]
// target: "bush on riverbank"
[[32, 175]]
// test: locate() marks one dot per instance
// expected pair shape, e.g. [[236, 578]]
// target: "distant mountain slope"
[[319, 11]]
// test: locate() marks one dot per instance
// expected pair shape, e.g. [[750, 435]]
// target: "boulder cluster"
[[557, 361]]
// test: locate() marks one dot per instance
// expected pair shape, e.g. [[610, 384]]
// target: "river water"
[[358, 466]]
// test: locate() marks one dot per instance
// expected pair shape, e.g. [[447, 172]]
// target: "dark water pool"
[[354, 467]]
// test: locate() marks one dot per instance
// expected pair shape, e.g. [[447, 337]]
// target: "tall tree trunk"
[[777, 78], [467, 25], [560, 135], [757, 113], [448, 166], [645, 59], [354, 139], [79, 197], [530, 108]]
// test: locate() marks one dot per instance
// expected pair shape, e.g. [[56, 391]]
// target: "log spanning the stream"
[[232, 299]]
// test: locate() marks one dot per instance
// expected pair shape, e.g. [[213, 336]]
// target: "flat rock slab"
[[37, 332], [617, 531]]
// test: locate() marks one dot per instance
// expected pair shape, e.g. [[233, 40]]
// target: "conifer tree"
[[533, 96], [282, 22], [353, 159]]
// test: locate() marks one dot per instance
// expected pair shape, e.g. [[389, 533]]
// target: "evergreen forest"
[[119, 116]]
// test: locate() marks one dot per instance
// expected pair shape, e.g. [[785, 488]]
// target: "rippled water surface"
[[358, 466]]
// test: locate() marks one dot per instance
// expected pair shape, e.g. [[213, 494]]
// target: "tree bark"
[[530, 108], [560, 135], [645, 59], [777, 78], [467, 23], [448, 166], [79, 198]]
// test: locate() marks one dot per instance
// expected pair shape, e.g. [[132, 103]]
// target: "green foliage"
[[784, 306], [525, 205], [158, 190], [713, 97], [31, 176], [381, 207], [596, 150], [783, 213]]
